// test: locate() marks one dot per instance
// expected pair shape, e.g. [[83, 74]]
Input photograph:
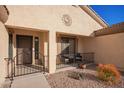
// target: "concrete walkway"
[[36, 80]]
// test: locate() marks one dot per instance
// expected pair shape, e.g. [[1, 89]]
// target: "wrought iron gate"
[[15, 68]]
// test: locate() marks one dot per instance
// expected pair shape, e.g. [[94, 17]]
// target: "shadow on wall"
[[4, 13]]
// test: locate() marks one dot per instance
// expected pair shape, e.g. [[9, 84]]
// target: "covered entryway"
[[23, 59], [70, 51], [27, 51], [23, 63], [67, 48]]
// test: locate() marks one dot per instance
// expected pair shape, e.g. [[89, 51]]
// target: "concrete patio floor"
[[36, 80]]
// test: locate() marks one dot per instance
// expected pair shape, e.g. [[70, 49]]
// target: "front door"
[[24, 50]]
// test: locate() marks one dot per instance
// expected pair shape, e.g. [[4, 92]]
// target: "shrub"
[[74, 75], [108, 72]]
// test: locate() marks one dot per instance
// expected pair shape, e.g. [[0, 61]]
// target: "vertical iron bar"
[[21, 68], [24, 70], [44, 64], [11, 60], [30, 69], [27, 69], [14, 72], [8, 68]]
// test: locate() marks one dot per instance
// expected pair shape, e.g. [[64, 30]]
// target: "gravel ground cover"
[[90, 80]]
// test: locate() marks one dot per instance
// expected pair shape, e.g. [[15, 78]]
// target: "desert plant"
[[108, 72], [74, 75]]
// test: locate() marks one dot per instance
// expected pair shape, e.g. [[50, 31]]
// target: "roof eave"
[[94, 15]]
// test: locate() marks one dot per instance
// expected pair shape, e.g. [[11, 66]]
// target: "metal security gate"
[[26, 61], [14, 69], [27, 67]]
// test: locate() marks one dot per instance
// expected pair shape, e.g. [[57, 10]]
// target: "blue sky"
[[112, 14]]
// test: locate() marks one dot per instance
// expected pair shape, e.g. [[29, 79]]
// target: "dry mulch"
[[90, 80]]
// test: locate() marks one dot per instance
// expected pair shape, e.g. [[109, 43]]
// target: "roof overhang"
[[117, 28], [94, 15]]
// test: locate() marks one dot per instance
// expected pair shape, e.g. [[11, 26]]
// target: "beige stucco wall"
[[3, 51], [50, 18], [80, 43], [108, 49]]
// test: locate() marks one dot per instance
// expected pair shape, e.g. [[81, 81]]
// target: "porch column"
[[46, 37], [52, 51]]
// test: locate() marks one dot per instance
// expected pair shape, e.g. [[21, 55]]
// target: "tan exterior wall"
[[3, 51], [80, 45], [50, 18], [108, 49]]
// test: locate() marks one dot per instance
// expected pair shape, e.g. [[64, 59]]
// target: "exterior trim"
[[26, 28], [117, 28], [94, 15]]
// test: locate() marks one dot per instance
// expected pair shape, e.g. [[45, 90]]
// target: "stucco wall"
[[3, 50], [80, 45], [108, 48], [50, 18]]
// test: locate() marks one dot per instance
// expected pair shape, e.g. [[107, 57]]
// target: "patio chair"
[[65, 58], [68, 58], [78, 57]]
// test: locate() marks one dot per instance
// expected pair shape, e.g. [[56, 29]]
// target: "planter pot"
[[82, 66]]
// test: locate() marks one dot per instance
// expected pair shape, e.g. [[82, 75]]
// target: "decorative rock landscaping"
[[88, 79]]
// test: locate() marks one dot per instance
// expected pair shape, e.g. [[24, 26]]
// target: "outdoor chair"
[[78, 57], [68, 58], [64, 58]]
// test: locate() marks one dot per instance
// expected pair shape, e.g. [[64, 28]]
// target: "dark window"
[[67, 45], [36, 48], [10, 46]]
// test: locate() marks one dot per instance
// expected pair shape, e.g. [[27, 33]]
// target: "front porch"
[[71, 52], [27, 51], [34, 50]]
